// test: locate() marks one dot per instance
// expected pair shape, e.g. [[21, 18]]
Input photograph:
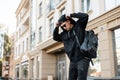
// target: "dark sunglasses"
[[64, 25]]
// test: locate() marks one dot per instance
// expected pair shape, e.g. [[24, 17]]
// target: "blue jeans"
[[79, 70]]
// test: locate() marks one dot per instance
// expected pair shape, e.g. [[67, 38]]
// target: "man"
[[78, 62]]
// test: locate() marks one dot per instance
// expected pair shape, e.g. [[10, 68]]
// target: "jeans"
[[79, 70]]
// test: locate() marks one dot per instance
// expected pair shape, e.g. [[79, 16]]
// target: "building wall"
[[11, 67], [43, 56], [22, 40]]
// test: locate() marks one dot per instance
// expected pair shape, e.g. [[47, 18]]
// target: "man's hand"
[[57, 24], [67, 15]]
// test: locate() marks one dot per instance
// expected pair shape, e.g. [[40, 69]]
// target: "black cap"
[[62, 19]]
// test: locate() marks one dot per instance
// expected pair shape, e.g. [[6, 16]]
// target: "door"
[[61, 70]]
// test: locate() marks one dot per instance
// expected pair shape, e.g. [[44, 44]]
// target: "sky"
[[7, 13]]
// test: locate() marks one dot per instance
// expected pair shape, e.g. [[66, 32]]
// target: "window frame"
[[51, 26], [84, 5], [40, 9], [40, 34], [116, 56]]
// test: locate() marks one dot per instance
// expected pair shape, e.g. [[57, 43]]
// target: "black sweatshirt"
[[67, 37]]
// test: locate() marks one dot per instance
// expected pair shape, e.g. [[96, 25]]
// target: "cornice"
[[47, 44], [21, 5], [104, 18]]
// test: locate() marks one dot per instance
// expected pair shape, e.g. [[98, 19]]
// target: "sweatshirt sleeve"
[[56, 35], [82, 18]]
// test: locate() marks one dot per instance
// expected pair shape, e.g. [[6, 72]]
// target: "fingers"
[[57, 24], [67, 15]]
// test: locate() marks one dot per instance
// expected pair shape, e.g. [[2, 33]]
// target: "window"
[[33, 15], [85, 5], [61, 66], [17, 71], [32, 40], [63, 11], [24, 69], [50, 5], [32, 68], [40, 9], [38, 67], [16, 52], [40, 34], [19, 31], [95, 70], [27, 44], [16, 35], [117, 50], [19, 49], [17, 75], [51, 26], [23, 46], [111, 3]]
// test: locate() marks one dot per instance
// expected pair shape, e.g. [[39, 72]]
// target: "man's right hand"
[[57, 24], [67, 15]]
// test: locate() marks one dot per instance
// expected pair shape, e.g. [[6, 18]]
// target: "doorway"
[[61, 70]]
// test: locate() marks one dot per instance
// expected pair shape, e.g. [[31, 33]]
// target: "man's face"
[[66, 25]]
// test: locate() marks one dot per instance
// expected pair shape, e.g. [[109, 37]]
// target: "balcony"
[[25, 18], [25, 8]]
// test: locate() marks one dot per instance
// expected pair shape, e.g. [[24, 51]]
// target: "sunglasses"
[[64, 25]]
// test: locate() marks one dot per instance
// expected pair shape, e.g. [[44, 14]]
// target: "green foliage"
[[0, 68], [7, 45]]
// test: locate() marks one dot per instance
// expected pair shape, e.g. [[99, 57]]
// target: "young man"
[[78, 62]]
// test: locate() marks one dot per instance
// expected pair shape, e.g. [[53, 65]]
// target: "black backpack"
[[90, 44]]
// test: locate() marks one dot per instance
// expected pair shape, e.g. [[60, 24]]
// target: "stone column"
[[106, 53], [29, 69], [20, 71], [35, 68]]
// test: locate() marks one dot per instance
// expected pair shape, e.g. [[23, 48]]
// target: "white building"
[[38, 56]]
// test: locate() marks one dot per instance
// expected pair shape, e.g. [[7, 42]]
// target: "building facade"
[[11, 65], [38, 56]]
